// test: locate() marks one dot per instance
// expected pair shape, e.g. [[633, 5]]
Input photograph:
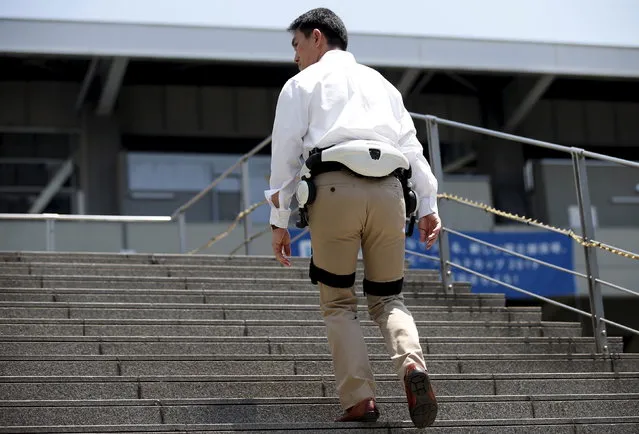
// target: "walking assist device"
[[362, 158]]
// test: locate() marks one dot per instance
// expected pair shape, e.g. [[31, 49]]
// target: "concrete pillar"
[[99, 168], [502, 160]]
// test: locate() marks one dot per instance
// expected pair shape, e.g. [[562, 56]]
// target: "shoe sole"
[[425, 410], [368, 417]]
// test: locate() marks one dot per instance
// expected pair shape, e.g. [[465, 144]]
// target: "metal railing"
[[50, 219], [180, 213], [587, 226], [583, 199]]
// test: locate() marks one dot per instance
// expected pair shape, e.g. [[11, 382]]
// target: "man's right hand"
[[281, 244], [429, 227]]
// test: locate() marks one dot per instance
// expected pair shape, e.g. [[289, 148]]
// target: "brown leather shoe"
[[363, 411], [422, 403]]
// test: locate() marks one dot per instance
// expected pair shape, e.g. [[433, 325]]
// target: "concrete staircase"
[[171, 343]]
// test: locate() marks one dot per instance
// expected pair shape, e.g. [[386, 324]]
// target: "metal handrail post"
[[246, 201], [50, 228], [592, 266], [125, 237], [436, 165], [181, 219]]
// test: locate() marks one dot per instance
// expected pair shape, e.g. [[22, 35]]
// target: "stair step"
[[208, 296], [190, 271], [143, 258], [291, 364], [87, 345], [158, 327], [236, 283], [192, 387], [205, 343], [248, 311], [266, 410], [581, 425]]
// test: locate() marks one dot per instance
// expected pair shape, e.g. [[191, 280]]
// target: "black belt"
[[332, 166]]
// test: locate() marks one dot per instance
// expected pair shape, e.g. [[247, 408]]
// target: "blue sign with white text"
[[536, 278]]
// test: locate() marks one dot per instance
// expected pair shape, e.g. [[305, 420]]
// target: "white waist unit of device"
[[367, 158]]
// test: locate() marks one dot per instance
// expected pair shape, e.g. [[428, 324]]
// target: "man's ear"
[[317, 37]]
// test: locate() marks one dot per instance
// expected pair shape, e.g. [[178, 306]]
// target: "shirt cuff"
[[279, 217], [427, 205]]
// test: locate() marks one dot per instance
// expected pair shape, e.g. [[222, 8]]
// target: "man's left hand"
[[281, 244], [429, 228]]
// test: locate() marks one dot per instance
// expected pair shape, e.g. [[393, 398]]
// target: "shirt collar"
[[338, 56]]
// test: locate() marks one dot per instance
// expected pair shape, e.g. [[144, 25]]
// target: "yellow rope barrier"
[[522, 219], [251, 238], [224, 234]]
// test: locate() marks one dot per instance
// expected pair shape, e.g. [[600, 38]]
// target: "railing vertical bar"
[[434, 153], [181, 219], [50, 233], [592, 267], [246, 201]]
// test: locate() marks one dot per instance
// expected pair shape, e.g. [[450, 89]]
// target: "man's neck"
[[327, 50]]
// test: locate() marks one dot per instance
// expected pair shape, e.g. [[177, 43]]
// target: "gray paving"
[[179, 343]]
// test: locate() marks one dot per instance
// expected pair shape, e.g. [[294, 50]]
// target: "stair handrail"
[[583, 199], [180, 213], [243, 159], [586, 239], [51, 218]]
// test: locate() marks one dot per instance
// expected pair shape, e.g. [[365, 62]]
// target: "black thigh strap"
[[330, 279], [383, 288]]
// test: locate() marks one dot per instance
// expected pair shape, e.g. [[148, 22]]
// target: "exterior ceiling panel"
[[254, 45]]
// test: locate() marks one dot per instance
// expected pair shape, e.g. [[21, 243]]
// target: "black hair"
[[325, 21]]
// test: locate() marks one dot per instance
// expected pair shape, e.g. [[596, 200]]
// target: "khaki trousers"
[[350, 212]]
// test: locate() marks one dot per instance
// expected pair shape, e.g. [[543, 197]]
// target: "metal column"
[[125, 238], [50, 228], [436, 165], [592, 267], [246, 202], [181, 218]]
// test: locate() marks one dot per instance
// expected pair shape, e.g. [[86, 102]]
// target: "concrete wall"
[[553, 193], [39, 104], [108, 237], [158, 184], [460, 217], [613, 268], [248, 112], [583, 123]]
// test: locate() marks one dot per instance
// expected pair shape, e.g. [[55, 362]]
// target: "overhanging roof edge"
[[269, 45], [353, 33]]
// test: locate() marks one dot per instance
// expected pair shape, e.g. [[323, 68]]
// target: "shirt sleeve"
[[289, 128], [423, 179]]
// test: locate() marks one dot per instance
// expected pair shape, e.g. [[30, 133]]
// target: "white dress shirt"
[[334, 101]]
